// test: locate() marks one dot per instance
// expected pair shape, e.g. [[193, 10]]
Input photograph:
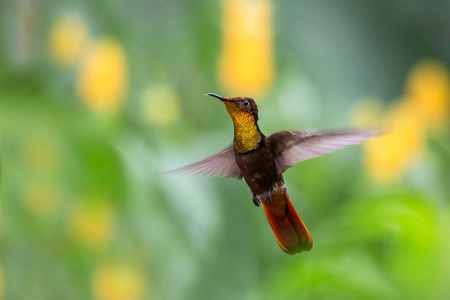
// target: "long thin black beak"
[[216, 96]]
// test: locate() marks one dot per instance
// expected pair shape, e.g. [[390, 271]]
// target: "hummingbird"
[[261, 161]]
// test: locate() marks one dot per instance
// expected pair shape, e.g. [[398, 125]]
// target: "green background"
[[200, 237]]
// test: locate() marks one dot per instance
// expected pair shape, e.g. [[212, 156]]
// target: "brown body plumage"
[[261, 160]]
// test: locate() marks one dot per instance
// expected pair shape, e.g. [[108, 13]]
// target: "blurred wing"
[[292, 147], [221, 164]]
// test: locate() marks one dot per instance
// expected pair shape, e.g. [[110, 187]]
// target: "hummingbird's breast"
[[246, 133], [259, 169]]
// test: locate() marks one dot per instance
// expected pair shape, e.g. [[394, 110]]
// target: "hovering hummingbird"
[[261, 160]]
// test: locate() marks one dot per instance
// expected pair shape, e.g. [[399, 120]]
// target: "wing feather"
[[221, 164], [292, 147]]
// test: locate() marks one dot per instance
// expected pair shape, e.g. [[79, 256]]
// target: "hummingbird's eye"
[[246, 103]]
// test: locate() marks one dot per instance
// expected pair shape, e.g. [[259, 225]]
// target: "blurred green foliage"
[[85, 214]]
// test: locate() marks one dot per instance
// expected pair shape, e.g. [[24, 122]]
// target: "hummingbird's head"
[[239, 107], [244, 113]]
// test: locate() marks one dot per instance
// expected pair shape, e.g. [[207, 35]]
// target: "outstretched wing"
[[221, 164], [292, 147]]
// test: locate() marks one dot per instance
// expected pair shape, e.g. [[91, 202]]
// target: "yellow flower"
[[118, 282], [368, 113], [425, 106], [68, 36], [41, 153], [428, 86], [160, 106], [42, 157], [92, 224], [246, 63], [387, 158], [41, 200], [103, 76]]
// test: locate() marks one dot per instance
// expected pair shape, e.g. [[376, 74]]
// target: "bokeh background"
[[99, 97]]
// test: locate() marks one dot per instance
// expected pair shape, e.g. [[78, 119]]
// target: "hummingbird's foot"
[[269, 197], [256, 201]]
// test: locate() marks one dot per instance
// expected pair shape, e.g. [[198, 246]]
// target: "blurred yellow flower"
[[68, 36], [40, 189], [428, 86], [388, 157], [246, 64], [118, 282], [160, 106], [91, 224], [41, 200], [103, 76], [425, 106], [368, 113], [41, 153]]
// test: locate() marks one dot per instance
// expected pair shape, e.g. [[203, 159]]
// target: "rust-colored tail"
[[288, 227]]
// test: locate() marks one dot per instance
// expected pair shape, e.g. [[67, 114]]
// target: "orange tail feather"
[[287, 226]]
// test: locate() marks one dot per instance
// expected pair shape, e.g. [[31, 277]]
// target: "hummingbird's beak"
[[221, 98], [216, 96]]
